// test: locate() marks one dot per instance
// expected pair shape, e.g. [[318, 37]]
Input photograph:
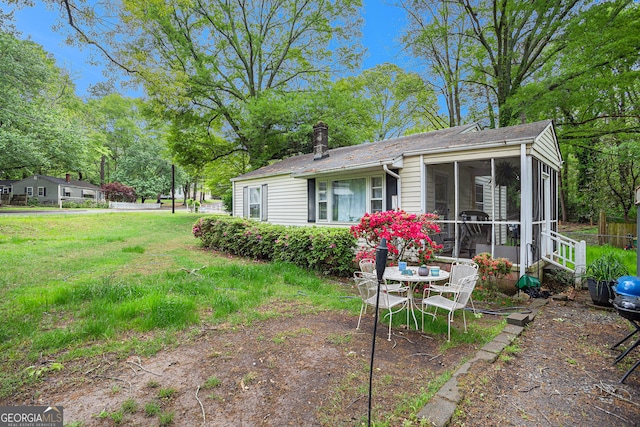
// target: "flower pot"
[[600, 292]]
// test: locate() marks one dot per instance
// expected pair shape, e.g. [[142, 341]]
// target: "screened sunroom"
[[489, 205]]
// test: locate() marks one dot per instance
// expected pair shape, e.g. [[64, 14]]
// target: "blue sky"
[[383, 24]]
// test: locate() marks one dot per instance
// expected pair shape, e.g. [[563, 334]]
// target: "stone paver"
[[439, 410]]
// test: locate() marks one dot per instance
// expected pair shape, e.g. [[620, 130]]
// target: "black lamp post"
[[381, 263]]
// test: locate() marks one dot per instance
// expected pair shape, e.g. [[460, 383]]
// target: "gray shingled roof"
[[385, 152], [73, 182]]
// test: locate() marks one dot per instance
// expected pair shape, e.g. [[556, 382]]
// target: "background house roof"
[[71, 183], [387, 151]]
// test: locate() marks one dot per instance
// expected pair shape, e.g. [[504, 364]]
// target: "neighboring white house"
[[51, 190], [494, 190]]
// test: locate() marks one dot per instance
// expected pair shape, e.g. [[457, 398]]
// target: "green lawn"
[[70, 280], [629, 258]]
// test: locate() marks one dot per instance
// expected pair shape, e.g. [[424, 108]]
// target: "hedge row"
[[326, 250]]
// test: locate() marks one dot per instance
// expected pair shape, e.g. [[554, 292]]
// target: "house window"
[[377, 194], [348, 199], [66, 192], [29, 191], [42, 191], [254, 202], [479, 196], [322, 201]]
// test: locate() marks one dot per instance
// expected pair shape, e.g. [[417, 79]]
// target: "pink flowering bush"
[[491, 269], [407, 235]]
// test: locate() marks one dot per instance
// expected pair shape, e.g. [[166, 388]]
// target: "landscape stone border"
[[439, 410]]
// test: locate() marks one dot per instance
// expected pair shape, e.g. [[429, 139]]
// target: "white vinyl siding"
[[545, 148], [410, 184], [286, 202]]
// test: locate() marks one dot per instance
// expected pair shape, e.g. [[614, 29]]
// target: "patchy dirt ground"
[[312, 370], [563, 374]]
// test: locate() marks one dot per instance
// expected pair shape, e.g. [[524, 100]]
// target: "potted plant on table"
[[602, 273]]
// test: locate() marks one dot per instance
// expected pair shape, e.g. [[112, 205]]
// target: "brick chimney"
[[68, 177], [320, 141]]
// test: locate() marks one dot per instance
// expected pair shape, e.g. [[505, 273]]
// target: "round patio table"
[[394, 274]]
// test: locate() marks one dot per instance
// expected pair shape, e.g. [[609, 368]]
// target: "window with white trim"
[[348, 199], [255, 204], [29, 191], [479, 196], [42, 191], [377, 194], [323, 201]]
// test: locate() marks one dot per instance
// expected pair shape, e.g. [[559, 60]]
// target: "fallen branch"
[[435, 357], [616, 395], [358, 398], [204, 419], [423, 354], [402, 336], [529, 389], [545, 417], [140, 366], [612, 414], [92, 369]]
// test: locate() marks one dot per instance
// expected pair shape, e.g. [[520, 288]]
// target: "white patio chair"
[[368, 288], [459, 270], [368, 267], [458, 302]]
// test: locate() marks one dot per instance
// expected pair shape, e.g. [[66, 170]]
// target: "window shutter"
[[245, 202], [392, 189], [311, 200], [44, 192], [263, 208]]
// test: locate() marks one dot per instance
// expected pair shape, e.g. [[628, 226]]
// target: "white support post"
[[580, 263]]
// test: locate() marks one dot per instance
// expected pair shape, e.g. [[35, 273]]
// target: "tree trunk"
[[102, 161]]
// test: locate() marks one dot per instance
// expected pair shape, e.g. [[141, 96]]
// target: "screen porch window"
[[322, 201]]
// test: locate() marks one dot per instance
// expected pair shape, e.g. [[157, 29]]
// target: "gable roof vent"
[[320, 141]]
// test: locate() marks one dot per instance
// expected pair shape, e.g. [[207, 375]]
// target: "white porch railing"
[[569, 254]]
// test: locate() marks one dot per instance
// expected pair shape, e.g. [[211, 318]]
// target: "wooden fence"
[[618, 234]]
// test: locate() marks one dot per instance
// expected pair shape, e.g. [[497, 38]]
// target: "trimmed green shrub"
[[327, 250]]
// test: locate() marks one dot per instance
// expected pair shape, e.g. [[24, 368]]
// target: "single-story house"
[[495, 190], [6, 185], [51, 190]]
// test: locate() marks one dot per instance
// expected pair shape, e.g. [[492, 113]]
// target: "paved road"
[[209, 208]]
